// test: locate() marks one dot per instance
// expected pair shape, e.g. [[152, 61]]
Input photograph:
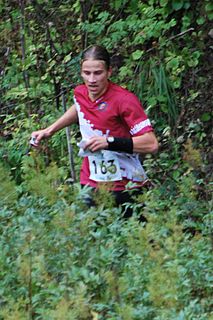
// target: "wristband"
[[120, 144]]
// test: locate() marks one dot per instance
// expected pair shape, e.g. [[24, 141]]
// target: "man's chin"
[[94, 92]]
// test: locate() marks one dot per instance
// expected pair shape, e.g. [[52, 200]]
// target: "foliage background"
[[58, 259]]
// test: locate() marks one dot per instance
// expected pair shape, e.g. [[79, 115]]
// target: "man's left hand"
[[96, 143]]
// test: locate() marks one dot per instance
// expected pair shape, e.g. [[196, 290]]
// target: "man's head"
[[95, 70], [96, 52]]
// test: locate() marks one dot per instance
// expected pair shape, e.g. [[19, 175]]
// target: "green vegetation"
[[59, 259]]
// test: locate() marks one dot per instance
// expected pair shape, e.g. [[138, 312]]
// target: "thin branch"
[[23, 51], [69, 145], [181, 33], [171, 38]]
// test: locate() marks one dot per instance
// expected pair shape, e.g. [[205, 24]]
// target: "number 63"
[[106, 167]]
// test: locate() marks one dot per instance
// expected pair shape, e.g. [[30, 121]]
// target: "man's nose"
[[92, 78]]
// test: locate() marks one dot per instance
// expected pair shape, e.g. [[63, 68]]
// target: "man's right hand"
[[37, 136]]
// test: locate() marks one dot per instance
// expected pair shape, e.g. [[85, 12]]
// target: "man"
[[114, 128]]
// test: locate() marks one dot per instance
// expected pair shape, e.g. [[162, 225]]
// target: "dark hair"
[[96, 52]]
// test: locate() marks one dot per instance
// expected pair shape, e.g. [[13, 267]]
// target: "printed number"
[[104, 168], [95, 165], [112, 168]]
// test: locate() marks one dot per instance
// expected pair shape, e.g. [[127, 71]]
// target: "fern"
[[8, 193], [41, 180]]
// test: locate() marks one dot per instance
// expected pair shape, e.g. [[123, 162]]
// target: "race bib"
[[104, 166]]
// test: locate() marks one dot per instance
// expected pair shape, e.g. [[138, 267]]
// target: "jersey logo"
[[102, 106]]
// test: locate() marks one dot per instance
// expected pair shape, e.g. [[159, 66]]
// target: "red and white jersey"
[[117, 113]]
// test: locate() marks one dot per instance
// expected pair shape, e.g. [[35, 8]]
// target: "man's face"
[[95, 76]]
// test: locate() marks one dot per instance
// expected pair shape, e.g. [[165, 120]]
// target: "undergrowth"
[[62, 260]]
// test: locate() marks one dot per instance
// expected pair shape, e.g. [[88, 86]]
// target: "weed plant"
[[62, 260]]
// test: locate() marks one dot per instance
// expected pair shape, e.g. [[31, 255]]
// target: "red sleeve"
[[133, 115]]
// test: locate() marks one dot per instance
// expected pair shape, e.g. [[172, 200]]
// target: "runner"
[[114, 127]]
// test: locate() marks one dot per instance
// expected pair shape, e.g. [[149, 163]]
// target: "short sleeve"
[[134, 116]]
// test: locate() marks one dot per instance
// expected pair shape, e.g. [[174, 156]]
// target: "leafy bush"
[[8, 194], [60, 259], [63, 260]]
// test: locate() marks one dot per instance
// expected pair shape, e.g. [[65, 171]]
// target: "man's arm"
[[68, 118], [146, 143]]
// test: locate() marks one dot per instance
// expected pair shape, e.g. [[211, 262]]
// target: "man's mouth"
[[93, 87]]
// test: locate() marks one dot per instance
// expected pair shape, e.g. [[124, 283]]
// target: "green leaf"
[[206, 116], [136, 55], [209, 7], [200, 20], [163, 3], [173, 63], [177, 4], [187, 5], [67, 58]]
